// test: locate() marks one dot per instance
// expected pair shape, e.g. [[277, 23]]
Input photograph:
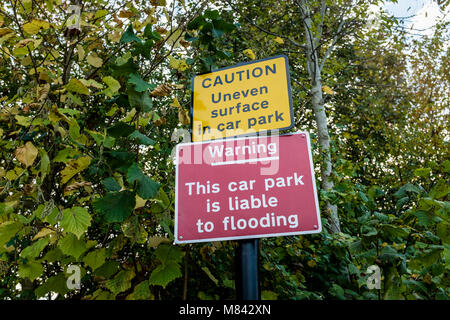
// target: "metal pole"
[[247, 280]]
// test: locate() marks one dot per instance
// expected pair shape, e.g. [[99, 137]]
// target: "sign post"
[[244, 188], [247, 282]]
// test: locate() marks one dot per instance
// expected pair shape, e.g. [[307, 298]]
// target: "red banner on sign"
[[242, 188]]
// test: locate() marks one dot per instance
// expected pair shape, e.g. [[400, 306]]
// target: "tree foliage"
[[87, 117]]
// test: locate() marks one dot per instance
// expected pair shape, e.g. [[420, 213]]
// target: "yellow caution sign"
[[242, 99]]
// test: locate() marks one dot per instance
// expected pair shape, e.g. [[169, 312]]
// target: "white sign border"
[[318, 230]]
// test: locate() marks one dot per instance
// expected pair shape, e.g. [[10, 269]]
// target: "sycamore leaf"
[[8, 230], [121, 282], [183, 116], [120, 129], [146, 187], [140, 100], [73, 167], [31, 270], [133, 229], [72, 246], [45, 163], [178, 64], [249, 53], [278, 40], [77, 86], [35, 26], [111, 184], [165, 273], [27, 154], [155, 241], [328, 90], [141, 138], [141, 292], [139, 84], [81, 52], [116, 206], [43, 233], [76, 220], [32, 251], [90, 83], [94, 60], [22, 120], [129, 36], [95, 259], [169, 269], [113, 86]]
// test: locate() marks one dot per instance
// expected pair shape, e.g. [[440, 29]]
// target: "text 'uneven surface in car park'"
[[242, 99]]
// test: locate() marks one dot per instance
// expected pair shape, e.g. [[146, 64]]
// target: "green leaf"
[[139, 84], [8, 230], [439, 190], [45, 163], [120, 129], [31, 270], [76, 220], [165, 273], [56, 284], [111, 184], [72, 246], [268, 295], [129, 36], [140, 100], [166, 253], [95, 259], [121, 282], [141, 292], [389, 254], [422, 172], [141, 138], [31, 252], [116, 206], [146, 187]]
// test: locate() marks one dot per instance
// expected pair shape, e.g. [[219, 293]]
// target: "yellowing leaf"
[[114, 36], [43, 233], [73, 167], [113, 86], [26, 154], [139, 202], [249, 53], [183, 116], [22, 120], [81, 52], [327, 90], [94, 60], [175, 103], [178, 64], [35, 26], [156, 241], [278, 40], [77, 86], [91, 83], [311, 263], [4, 31]]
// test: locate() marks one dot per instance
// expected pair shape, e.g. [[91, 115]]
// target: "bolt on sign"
[[242, 99], [241, 188]]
